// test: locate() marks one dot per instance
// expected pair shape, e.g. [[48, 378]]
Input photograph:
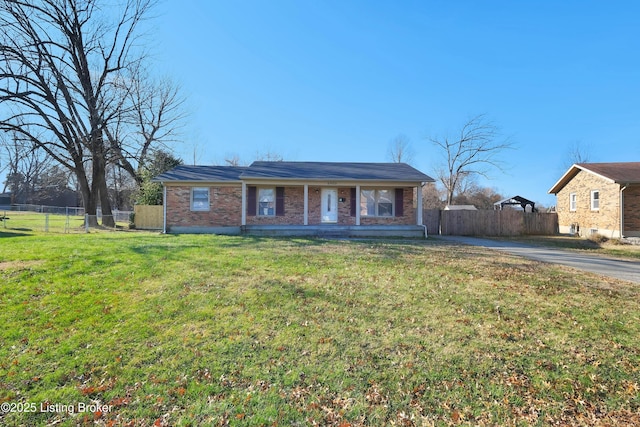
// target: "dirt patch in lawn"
[[18, 265]]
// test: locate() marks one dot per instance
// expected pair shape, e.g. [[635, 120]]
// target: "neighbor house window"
[[595, 200], [266, 201], [573, 201], [376, 202], [199, 199]]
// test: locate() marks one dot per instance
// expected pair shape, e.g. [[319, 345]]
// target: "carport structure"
[[515, 201]]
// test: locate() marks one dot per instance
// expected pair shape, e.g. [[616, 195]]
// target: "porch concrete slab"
[[336, 231], [606, 266]]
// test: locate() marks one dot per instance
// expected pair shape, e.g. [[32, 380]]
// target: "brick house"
[[601, 198], [295, 198]]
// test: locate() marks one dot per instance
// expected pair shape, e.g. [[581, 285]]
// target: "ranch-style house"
[[295, 198]]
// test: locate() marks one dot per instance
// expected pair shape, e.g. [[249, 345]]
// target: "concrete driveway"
[[611, 267]]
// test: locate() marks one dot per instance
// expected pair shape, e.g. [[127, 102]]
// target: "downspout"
[[622, 210], [164, 208]]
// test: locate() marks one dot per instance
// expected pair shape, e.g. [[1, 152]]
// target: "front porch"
[[336, 231]]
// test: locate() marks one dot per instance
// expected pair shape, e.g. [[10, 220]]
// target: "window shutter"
[[252, 200], [279, 201], [353, 202], [399, 202]]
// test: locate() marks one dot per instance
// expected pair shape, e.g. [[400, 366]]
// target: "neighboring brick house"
[[295, 198], [602, 198]]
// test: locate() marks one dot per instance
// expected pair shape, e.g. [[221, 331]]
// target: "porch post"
[[306, 204], [244, 204], [419, 199], [357, 204]]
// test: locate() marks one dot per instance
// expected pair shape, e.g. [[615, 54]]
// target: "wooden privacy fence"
[[148, 217], [507, 222]]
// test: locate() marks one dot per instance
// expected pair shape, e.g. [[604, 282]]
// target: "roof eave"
[[195, 181], [572, 172], [330, 181], [564, 179]]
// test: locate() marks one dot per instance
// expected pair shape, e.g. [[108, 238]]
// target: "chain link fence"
[[55, 219]]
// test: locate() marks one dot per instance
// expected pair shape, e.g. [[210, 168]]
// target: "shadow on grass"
[[15, 232], [173, 243], [298, 241]]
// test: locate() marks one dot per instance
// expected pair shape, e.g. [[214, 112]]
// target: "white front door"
[[329, 205]]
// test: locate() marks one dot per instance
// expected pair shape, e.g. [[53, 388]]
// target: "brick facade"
[[224, 211], [409, 212], [606, 220], [225, 208], [294, 209]]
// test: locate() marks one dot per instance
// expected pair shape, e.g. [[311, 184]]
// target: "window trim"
[[593, 199], [365, 213], [192, 199], [259, 212], [573, 202]]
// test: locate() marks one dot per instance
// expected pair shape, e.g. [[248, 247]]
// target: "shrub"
[[598, 238]]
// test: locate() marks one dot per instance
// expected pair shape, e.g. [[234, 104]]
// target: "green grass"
[[209, 330]]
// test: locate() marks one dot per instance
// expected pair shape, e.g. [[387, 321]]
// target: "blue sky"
[[338, 80]]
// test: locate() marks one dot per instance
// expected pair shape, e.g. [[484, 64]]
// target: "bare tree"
[[400, 150], [480, 197], [62, 64], [473, 152], [151, 117], [432, 196], [269, 156], [32, 176], [233, 160], [577, 152], [25, 163]]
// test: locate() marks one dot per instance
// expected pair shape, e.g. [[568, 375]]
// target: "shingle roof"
[[620, 172], [335, 171], [329, 171], [627, 172], [202, 173]]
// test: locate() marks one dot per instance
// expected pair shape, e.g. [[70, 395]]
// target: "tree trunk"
[[107, 215], [88, 199], [99, 190]]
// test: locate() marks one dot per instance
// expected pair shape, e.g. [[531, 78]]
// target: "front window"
[[266, 202], [573, 202], [595, 200], [199, 199], [376, 202]]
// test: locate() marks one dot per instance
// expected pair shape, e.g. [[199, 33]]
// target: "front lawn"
[[145, 329]]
